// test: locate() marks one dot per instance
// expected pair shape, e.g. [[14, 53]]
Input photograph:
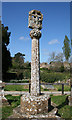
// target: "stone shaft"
[[35, 72], [35, 63]]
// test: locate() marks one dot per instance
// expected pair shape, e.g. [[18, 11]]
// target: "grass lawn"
[[14, 101], [64, 110], [16, 88], [6, 111], [59, 87], [26, 88]]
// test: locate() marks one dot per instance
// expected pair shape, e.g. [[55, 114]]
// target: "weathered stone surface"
[[47, 116], [35, 19], [35, 22], [33, 105], [35, 33], [35, 68]]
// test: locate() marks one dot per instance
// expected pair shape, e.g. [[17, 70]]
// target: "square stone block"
[[34, 105]]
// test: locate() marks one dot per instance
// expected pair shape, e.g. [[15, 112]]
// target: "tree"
[[66, 48], [59, 57], [71, 42], [18, 60], [0, 51], [52, 57], [6, 57], [27, 64]]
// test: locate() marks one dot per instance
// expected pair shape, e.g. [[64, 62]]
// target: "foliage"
[[66, 48], [62, 68], [19, 57], [19, 75], [27, 64], [64, 110], [27, 74], [44, 69], [57, 66], [6, 58], [56, 58], [71, 42], [18, 60], [53, 76], [59, 57], [52, 56]]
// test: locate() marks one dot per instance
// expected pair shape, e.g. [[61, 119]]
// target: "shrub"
[[20, 75], [27, 74], [62, 68], [52, 77]]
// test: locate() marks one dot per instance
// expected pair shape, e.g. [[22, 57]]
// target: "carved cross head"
[[35, 19]]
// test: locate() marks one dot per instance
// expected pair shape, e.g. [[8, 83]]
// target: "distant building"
[[44, 65]]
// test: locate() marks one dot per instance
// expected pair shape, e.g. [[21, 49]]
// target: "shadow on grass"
[[50, 108]]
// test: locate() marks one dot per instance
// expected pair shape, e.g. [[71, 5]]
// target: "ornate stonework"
[[35, 22], [35, 103], [35, 19], [35, 33]]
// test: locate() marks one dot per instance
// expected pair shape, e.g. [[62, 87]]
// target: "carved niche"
[[35, 19]]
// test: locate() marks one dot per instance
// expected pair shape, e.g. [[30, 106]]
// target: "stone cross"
[[35, 23]]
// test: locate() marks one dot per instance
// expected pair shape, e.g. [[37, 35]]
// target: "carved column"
[[33, 103], [35, 23], [35, 34]]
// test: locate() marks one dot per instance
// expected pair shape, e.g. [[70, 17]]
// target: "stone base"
[[35, 108], [33, 105], [51, 114]]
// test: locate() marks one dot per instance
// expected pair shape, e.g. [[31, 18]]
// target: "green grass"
[[59, 87], [14, 101], [64, 110], [23, 88], [15, 88], [58, 99], [7, 111]]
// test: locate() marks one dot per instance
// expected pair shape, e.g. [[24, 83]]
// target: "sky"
[[55, 25]]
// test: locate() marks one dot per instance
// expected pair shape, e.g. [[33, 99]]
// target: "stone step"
[[17, 114], [53, 104], [53, 112]]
